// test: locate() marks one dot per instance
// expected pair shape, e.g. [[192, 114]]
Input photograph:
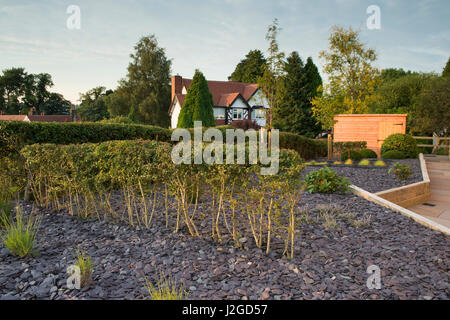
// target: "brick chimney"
[[32, 111], [177, 84]]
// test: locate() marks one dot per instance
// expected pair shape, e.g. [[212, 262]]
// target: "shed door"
[[386, 128]]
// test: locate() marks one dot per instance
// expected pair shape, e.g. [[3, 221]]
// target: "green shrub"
[[442, 152], [368, 153], [402, 171], [307, 148], [404, 143], [26, 133], [350, 154], [326, 180], [339, 147], [20, 235], [393, 154]]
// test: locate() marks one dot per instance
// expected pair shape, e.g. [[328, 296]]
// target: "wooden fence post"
[[330, 147]]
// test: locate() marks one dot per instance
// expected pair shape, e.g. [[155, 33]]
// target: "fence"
[[435, 145]]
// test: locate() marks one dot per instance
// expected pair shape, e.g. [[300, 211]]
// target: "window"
[[237, 114], [219, 113], [260, 114]]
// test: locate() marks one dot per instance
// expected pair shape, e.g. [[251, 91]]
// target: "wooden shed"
[[372, 128]]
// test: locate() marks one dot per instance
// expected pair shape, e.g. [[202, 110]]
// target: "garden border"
[[408, 213], [411, 194]]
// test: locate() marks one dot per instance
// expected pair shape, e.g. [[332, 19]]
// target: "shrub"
[[442, 151], [20, 235], [26, 133], [368, 153], [364, 162], [402, 171], [350, 154], [379, 163], [339, 147], [348, 162], [404, 143], [393, 154], [166, 289], [325, 180], [245, 124], [306, 148]]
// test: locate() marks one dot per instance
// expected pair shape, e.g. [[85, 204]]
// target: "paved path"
[[439, 172]]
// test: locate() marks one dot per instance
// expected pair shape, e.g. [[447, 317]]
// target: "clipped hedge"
[[368, 153], [26, 133], [307, 148], [404, 143], [351, 154], [393, 154]]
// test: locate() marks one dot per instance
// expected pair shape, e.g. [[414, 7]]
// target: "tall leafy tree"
[[249, 69], [93, 106], [300, 83], [271, 83], [392, 74], [198, 104], [21, 91], [351, 77], [144, 94], [446, 71], [431, 108]]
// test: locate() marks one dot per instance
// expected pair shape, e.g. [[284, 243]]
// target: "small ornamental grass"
[[84, 262], [166, 289], [364, 162], [402, 171], [20, 235], [379, 163], [326, 180]]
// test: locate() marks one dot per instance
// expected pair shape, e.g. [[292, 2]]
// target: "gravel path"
[[328, 264], [377, 179]]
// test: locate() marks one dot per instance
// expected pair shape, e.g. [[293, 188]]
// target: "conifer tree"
[[198, 105]]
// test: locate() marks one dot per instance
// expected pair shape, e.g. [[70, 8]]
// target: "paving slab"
[[439, 172]]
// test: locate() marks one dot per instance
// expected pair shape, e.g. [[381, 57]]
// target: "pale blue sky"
[[210, 35]]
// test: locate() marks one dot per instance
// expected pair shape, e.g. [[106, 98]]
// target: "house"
[[31, 117], [233, 101]]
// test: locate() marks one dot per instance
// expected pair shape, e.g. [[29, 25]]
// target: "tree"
[[431, 108], [300, 83], [446, 71], [397, 96], [270, 83], [198, 104], [250, 69], [144, 95], [351, 78], [392, 74], [21, 91], [93, 106]]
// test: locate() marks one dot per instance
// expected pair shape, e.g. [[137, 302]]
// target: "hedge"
[[26, 133], [307, 148]]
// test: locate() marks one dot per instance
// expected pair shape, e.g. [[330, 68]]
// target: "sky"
[[212, 35]]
